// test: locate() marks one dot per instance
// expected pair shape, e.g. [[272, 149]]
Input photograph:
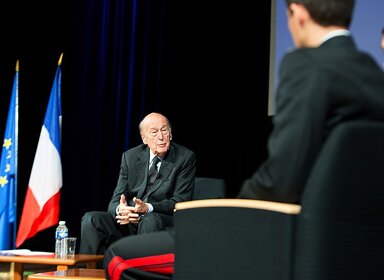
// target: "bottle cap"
[[62, 223]]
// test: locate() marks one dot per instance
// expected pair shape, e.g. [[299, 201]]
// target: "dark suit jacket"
[[319, 88], [175, 181]]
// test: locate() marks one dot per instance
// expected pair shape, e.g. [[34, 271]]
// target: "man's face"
[[157, 135]]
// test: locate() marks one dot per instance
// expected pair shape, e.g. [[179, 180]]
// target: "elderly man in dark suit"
[[153, 177]]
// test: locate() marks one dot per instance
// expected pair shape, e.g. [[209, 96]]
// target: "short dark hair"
[[328, 12]]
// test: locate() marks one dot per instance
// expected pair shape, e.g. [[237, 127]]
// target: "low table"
[[76, 273], [17, 262]]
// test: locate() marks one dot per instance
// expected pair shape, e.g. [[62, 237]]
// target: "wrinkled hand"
[[126, 214], [140, 206]]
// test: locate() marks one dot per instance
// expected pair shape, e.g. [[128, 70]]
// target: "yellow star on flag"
[[3, 180], [7, 143]]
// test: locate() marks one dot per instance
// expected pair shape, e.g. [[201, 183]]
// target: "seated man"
[[153, 177]]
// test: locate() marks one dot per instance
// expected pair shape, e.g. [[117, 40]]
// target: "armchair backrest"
[[340, 229], [208, 188]]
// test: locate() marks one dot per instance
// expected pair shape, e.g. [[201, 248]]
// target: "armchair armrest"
[[286, 208]]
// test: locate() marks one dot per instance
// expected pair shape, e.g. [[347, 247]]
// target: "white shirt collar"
[[151, 156], [334, 33]]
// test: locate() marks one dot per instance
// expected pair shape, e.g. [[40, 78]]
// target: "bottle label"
[[61, 234]]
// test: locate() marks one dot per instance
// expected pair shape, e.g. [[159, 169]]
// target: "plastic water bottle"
[[61, 232]]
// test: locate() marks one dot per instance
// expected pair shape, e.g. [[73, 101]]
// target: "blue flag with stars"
[[8, 172]]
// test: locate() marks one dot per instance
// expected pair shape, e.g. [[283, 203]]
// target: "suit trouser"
[[145, 256], [99, 229]]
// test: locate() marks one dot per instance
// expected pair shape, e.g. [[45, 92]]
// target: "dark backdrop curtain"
[[204, 65], [118, 66], [117, 61]]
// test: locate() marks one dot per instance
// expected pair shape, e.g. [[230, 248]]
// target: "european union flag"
[[8, 172]]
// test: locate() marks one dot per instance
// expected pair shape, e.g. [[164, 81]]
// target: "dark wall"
[[216, 94]]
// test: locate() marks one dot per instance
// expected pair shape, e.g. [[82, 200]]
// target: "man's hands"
[[140, 206], [129, 214]]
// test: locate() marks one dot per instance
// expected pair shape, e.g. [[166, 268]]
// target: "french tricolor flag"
[[42, 202]]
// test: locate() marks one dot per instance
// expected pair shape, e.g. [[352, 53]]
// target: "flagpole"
[[8, 172], [16, 152]]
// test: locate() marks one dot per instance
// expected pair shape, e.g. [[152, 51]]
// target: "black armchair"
[[336, 233]]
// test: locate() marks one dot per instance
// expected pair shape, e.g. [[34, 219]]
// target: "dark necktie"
[[152, 174]]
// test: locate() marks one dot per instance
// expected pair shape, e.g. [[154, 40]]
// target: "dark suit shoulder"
[[336, 49], [178, 146], [140, 152], [181, 149], [138, 149]]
